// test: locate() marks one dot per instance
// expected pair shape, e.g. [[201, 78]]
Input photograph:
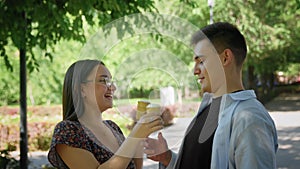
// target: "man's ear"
[[227, 57]]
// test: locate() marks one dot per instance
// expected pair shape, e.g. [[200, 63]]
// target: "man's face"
[[208, 67]]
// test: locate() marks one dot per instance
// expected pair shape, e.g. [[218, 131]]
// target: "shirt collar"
[[242, 95]]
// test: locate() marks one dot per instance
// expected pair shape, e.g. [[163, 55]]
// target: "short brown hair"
[[224, 35]]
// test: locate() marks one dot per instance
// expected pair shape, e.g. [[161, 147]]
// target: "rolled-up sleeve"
[[171, 164]]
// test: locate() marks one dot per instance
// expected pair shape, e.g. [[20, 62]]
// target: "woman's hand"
[[146, 125]]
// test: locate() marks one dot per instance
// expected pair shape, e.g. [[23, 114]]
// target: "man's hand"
[[157, 150]]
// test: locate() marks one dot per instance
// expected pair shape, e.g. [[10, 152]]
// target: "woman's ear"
[[227, 57], [82, 91]]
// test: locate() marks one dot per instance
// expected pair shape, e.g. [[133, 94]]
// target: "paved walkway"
[[285, 110]]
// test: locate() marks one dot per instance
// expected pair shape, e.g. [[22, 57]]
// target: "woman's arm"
[[138, 163], [76, 158]]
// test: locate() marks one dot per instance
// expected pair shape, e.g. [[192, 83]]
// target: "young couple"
[[232, 129]]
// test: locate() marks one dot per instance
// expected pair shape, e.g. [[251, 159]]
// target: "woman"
[[83, 139]]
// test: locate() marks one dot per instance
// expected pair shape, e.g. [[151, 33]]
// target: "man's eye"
[[201, 62]]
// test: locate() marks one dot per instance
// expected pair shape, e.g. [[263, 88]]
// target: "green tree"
[[29, 24], [44, 23], [271, 31], [170, 56]]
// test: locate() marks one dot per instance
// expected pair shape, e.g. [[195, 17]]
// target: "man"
[[232, 128]]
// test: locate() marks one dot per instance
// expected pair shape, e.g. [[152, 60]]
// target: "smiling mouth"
[[200, 80], [110, 96]]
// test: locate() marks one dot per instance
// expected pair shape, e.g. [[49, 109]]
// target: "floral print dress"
[[73, 134]]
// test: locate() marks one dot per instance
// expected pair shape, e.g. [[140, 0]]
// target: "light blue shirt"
[[246, 136]]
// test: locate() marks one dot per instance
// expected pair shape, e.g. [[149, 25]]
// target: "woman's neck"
[[91, 118]]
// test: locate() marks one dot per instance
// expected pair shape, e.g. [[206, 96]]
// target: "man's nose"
[[197, 69]]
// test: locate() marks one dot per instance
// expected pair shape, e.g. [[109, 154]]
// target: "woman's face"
[[98, 92]]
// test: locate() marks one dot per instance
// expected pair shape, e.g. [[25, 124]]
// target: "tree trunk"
[[251, 78]]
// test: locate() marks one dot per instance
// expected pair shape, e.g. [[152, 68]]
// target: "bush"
[[40, 125], [140, 92], [39, 136], [6, 161]]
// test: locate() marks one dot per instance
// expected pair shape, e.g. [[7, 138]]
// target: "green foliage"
[[43, 86], [44, 23], [9, 86], [293, 70], [151, 64], [139, 92], [271, 29]]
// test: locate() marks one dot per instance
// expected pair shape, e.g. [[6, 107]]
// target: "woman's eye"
[[101, 80]]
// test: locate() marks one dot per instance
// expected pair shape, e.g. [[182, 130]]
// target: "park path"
[[284, 109]]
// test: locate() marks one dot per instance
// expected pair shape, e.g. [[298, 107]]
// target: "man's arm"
[[157, 150], [256, 147], [171, 163]]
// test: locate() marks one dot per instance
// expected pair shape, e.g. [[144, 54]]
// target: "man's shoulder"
[[250, 105], [251, 111], [251, 102]]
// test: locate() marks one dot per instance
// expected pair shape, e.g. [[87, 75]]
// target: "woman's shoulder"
[[69, 133], [67, 127], [68, 123], [113, 125]]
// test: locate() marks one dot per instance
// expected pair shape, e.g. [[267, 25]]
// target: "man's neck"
[[221, 92]]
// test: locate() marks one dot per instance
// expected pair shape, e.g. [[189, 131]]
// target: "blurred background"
[[52, 34]]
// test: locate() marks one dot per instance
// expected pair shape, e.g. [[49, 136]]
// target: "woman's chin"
[[108, 106]]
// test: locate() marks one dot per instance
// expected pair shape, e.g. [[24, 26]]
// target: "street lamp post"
[[23, 102], [211, 4]]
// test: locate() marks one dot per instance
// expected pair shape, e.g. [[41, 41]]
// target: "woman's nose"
[[113, 87]]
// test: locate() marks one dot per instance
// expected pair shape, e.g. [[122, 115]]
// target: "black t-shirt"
[[195, 154]]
